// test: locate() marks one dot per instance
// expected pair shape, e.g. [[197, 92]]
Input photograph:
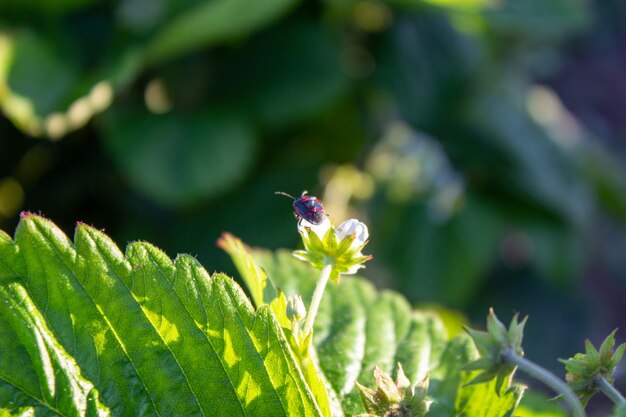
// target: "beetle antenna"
[[305, 192], [281, 193]]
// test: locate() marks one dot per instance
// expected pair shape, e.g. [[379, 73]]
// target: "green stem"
[[295, 329], [317, 297], [547, 378], [609, 390]]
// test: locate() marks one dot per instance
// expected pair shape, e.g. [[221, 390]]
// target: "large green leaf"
[[358, 327], [89, 329]]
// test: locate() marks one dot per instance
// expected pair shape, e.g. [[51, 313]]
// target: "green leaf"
[[446, 380], [90, 328], [453, 395], [267, 294], [211, 22], [179, 160], [61, 385], [357, 328], [473, 398], [537, 405], [254, 277]]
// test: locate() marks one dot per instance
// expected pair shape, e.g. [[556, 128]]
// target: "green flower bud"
[[295, 308], [394, 399], [490, 345], [584, 369]]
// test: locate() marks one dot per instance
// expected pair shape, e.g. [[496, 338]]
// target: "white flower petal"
[[319, 229], [353, 226], [352, 270]]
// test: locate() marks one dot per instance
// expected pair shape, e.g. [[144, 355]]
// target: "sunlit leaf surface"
[[88, 330]]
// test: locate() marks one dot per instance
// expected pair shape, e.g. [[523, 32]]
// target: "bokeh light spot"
[[11, 197], [157, 98], [372, 16]]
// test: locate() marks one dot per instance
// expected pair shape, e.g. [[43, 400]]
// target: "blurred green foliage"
[[442, 122]]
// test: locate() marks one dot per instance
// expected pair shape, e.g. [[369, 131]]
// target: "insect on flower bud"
[[295, 308], [324, 246]]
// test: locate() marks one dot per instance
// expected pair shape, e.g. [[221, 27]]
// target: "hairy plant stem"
[[547, 378], [609, 390], [317, 297]]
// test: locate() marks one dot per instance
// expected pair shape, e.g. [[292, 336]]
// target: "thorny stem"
[[547, 378], [315, 301], [609, 390]]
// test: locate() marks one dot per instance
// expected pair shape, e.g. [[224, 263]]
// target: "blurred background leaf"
[[209, 22], [483, 141], [168, 157]]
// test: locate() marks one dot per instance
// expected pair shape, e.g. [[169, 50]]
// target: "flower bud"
[[341, 247], [490, 345], [394, 399], [295, 308], [584, 369], [353, 227]]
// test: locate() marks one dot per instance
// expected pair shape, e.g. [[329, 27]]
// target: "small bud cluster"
[[296, 312], [491, 345], [399, 399], [584, 369]]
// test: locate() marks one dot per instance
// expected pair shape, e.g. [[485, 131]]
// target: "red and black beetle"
[[307, 207]]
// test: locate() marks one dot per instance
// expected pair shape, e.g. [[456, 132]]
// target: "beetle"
[[307, 207]]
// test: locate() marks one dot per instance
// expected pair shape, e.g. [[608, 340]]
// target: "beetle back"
[[310, 209]]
